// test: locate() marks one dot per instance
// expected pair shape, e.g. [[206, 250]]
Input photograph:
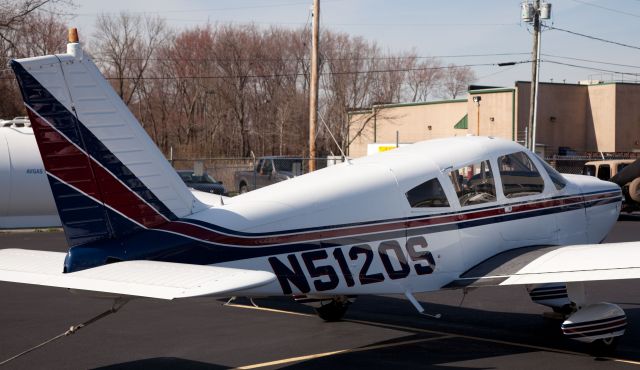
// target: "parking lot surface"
[[497, 328]]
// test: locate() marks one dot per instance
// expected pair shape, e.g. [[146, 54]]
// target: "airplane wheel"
[[565, 310], [332, 311], [604, 347], [243, 189]]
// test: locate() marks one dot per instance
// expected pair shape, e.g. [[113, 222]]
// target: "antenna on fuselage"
[[344, 157]]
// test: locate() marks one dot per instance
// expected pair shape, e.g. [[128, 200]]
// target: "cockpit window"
[[474, 184], [519, 175], [427, 194], [556, 177]]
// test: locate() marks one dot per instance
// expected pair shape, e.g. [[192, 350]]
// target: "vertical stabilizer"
[[107, 176]]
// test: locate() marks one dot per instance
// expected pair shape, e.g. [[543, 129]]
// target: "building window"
[[474, 184], [519, 176], [427, 194]]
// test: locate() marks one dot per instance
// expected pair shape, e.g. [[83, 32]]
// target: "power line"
[[326, 59], [299, 74], [591, 68], [280, 5], [592, 37], [605, 8], [591, 61]]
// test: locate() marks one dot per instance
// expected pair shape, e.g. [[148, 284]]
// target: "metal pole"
[[478, 122], [313, 87], [534, 73], [535, 101]]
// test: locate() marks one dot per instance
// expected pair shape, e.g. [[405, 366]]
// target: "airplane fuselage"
[[351, 229]]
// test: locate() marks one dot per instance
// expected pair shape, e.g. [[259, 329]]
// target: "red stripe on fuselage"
[[202, 233], [73, 166]]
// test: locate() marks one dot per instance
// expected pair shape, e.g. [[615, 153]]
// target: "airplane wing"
[[555, 264], [152, 279]]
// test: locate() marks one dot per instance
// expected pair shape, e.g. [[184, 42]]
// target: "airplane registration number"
[[326, 268]]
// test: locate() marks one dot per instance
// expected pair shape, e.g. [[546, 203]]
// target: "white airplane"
[[441, 214], [25, 194]]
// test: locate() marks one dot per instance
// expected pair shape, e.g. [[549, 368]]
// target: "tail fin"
[[107, 176]]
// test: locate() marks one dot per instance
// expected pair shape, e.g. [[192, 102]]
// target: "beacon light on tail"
[[440, 214]]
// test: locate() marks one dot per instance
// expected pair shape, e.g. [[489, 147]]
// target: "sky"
[[455, 31]]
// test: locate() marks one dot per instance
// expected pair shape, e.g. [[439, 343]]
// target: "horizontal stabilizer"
[[540, 265], [152, 279]]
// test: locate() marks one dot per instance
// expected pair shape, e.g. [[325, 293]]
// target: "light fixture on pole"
[[477, 99]]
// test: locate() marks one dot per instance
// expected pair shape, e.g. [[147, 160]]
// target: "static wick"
[[73, 35]]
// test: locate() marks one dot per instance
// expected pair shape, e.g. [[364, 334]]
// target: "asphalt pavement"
[[488, 328]]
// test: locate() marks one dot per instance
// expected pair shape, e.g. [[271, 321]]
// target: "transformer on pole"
[[533, 13]]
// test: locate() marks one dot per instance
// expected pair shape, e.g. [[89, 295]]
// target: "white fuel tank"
[[596, 321], [25, 196]]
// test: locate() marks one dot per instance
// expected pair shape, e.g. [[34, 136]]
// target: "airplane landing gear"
[[604, 346], [328, 308], [332, 310]]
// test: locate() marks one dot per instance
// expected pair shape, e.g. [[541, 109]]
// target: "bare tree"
[[456, 80], [25, 30], [424, 80], [124, 46], [234, 90]]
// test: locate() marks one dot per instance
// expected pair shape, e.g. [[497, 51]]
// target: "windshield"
[[556, 177], [190, 177]]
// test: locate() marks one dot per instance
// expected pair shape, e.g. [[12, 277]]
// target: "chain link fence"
[[575, 163], [234, 173], [257, 172]]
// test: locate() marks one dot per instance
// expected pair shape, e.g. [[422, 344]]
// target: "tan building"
[[601, 117]]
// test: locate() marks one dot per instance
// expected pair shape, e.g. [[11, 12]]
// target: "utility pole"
[[533, 98], [533, 13], [313, 86]]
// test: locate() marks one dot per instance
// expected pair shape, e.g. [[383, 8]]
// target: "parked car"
[[625, 173], [267, 171], [605, 169], [202, 182]]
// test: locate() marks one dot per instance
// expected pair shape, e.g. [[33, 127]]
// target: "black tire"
[[332, 311], [243, 188], [566, 310], [604, 347]]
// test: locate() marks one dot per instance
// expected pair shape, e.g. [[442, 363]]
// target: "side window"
[[604, 172], [558, 180], [427, 194], [474, 184], [267, 168], [519, 175]]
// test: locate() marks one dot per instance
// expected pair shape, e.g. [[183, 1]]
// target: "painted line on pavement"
[[442, 334], [339, 352]]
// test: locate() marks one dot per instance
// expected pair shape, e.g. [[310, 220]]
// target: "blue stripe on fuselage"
[[148, 244]]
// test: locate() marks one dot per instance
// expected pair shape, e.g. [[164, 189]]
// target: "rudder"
[[108, 178]]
